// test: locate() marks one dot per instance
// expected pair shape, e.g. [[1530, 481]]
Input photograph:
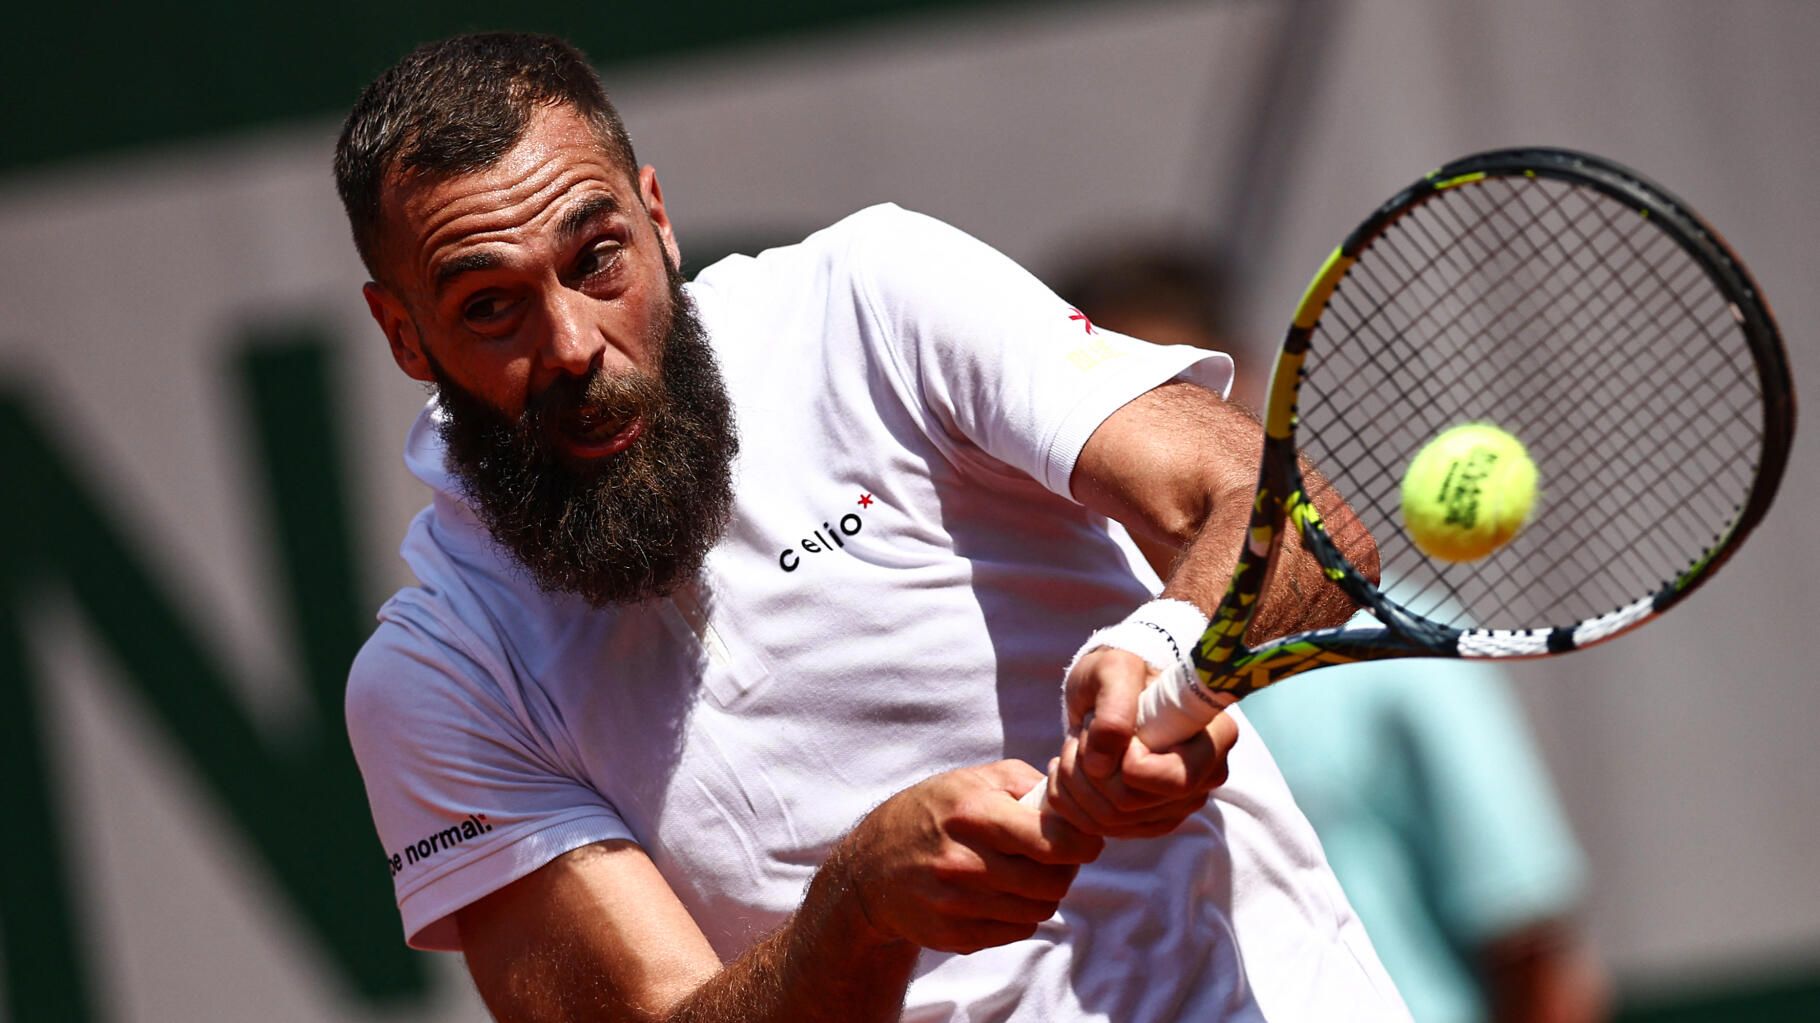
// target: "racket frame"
[[1228, 669]]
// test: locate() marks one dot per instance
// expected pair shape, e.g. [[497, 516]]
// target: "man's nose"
[[578, 341], [574, 342]]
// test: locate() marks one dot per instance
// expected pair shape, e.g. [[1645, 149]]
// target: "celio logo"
[[849, 525]]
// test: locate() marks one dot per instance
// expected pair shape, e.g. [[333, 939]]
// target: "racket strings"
[[1481, 340], [1628, 506], [1708, 420], [1604, 257], [1395, 350], [1399, 354], [1630, 433], [1392, 353], [1566, 318]]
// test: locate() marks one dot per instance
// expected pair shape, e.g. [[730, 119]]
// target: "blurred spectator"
[[1173, 296], [1420, 777]]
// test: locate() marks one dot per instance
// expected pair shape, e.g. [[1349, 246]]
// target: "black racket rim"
[[1406, 631]]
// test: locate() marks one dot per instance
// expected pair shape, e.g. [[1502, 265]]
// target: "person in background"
[[1419, 776]]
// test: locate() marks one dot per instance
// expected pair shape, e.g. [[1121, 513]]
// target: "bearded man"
[[741, 602]]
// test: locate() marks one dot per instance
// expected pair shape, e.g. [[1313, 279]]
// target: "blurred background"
[[200, 488]]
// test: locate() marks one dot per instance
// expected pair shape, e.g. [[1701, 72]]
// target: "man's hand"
[[956, 864], [953, 863], [1106, 781]]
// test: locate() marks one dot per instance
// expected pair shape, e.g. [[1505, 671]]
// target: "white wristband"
[[1162, 632], [1174, 705]]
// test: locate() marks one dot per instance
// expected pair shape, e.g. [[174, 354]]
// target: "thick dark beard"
[[634, 526]]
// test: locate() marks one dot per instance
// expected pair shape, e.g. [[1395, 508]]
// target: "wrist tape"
[[1162, 632]]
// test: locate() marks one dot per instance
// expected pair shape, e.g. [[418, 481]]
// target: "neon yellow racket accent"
[[1464, 179], [1321, 288]]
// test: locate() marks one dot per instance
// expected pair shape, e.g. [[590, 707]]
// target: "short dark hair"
[[456, 106], [1185, 282]]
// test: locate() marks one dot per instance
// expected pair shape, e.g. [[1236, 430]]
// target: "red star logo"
[[865, 500], [1081, 316]]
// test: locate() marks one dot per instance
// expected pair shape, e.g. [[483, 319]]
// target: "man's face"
[[583, 413]]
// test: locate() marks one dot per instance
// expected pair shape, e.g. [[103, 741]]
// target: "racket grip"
[[1171, 708]]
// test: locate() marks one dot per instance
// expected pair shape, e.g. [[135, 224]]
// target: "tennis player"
[[742, 604]]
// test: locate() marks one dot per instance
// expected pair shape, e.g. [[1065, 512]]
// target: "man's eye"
[[598, 258], [484, 309]]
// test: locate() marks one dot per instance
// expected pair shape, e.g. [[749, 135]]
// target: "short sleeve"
[[1503, 853], [464, 796], [995, 355]]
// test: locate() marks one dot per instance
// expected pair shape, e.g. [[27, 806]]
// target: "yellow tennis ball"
[[1467, 492]]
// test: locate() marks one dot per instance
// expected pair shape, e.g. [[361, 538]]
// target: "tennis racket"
[[1579, 307]]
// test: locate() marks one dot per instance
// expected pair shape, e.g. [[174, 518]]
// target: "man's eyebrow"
[[584, 213], [464, 264], [572, 223]]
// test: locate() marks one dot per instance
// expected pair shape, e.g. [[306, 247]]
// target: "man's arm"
[[952, 863], [1177, 466], [1542, 973]]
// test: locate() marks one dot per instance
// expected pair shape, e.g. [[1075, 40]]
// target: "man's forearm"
[[1298, 595], [952, 863], [1203, 569], [827, 965], [1543, 973], [1178, 466]]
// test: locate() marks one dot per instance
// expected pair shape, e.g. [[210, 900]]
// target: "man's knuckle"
[[1146, 780], [950, 868], [1127, 800], [949, 902], [1100, 820]]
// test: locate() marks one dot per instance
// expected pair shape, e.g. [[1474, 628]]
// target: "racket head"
[[1582, 308]]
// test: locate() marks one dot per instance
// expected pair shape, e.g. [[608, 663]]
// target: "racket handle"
[[1171, 708]]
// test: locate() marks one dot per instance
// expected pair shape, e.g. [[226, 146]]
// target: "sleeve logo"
[[442, 841]]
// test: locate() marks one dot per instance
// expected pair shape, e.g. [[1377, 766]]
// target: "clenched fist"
[[955, 863]]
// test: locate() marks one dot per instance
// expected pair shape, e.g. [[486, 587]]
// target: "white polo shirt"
[[903, 579]]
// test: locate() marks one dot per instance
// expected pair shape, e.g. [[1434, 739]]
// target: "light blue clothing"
[[1435, 811]]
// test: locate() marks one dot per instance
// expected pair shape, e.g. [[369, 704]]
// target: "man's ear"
[[400, 331], [653, 195]]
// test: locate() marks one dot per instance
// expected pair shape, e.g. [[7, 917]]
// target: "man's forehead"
[[558, 160], [544, 158]]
